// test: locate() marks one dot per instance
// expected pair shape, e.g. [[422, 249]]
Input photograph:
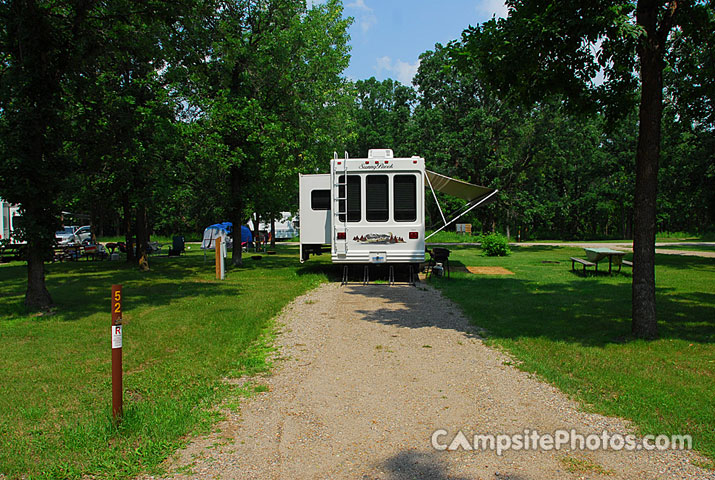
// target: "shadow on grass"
[[332, 272], [588, 313], [591, 313], [83, 288]]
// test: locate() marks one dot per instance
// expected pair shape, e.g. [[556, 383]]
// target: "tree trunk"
[[142, 238], [273, 233], [650, 52], [236, 216], [128, 230], [36, 297], [256, 232]]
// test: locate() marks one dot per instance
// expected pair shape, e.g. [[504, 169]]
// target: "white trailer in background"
[[8, 212], [285, 227], [372, 210]]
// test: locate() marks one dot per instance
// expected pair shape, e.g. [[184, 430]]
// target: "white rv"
[[372, 210], [8, 212], [285, 227]]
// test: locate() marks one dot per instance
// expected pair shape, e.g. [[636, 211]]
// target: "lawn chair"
[[438, 256], [177, 246], [153, 247]]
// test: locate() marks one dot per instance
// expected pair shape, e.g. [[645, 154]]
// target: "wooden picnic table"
[[595, 255], [67, 252], [12, 251]]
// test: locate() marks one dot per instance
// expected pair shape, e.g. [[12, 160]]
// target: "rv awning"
[[456, 188], [475, 195]]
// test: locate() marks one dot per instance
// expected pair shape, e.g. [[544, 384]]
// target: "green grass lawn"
[[183, 332], [451, 237], [574, 331]]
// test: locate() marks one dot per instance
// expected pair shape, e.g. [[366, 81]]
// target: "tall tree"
[[44, 47], [383, 117], [547, 47], [129, 112], [271, 95]]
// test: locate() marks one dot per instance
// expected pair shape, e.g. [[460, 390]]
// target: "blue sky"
[[388, 36]]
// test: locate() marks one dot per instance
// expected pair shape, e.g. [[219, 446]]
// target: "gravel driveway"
[[367, 374]]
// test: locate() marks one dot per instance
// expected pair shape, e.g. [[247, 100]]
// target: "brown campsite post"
[[117, 352]]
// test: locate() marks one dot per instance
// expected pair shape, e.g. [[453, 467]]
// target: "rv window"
[[405, 198], [376, 198], [320, 199], [354, 198]]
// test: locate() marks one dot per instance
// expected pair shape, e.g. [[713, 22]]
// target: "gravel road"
[[365, 375]]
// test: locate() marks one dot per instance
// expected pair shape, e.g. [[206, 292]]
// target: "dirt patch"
[[489, 271], [481, 270]]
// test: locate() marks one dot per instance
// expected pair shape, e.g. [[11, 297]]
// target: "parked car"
[[72, 234]]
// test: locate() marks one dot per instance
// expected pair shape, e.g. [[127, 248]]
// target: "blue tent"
[[246, 235], [224, 230]]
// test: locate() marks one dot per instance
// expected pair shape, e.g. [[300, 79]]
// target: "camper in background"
[[286, 227], [8, 213]]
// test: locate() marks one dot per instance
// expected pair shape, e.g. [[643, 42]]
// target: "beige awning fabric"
[[457, 188]]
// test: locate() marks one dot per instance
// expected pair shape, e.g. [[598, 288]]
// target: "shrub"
[[495, 245]]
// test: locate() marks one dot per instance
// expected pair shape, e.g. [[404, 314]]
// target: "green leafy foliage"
[[495, 245]]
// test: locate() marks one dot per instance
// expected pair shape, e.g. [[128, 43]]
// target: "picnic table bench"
[[585, 263]]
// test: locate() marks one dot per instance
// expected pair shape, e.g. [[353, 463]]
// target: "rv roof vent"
[[379, 153]]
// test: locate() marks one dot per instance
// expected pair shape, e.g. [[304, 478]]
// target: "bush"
[[495, 245]]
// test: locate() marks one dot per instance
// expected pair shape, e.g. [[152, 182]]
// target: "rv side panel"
[[315, 212]]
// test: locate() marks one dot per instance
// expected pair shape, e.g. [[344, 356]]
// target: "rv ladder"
[[337, 212]]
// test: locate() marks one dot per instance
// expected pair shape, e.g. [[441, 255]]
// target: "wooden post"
[[117, 408], [220, 268]]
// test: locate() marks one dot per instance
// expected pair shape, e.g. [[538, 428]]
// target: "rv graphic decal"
[[378, 238], [376, 166]]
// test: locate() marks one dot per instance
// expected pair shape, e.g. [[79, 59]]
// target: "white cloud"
[[404, 72], [359, 4], [366, 18], [492, 7], [383, 63]]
